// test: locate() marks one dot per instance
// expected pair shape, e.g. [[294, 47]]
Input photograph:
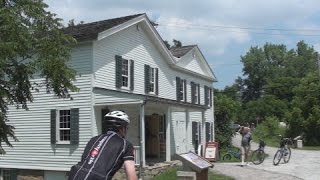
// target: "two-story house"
[[121, 64]]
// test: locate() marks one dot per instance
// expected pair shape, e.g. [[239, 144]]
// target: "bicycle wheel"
[[287, 155], [277, 157], [226, 157], [257, 157]]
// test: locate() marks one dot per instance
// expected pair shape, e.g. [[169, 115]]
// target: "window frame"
[[182, 89], [152, 80], [128, 76], [58, 115], [196, 93], [5, 175]]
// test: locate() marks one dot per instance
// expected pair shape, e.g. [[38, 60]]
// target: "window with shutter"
[[65, 126], [124, 73], [181, 89], [198, 87], [193, 90]]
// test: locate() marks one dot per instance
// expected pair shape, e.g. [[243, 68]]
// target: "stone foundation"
[[30, 175], [150, 171]]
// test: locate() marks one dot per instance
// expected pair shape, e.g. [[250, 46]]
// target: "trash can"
[[299, 144]]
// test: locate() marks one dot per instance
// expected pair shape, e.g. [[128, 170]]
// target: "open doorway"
[[155, 140]]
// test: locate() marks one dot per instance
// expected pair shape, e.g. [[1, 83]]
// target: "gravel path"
[[302, 165]]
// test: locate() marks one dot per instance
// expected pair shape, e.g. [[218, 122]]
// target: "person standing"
[[245, 144], [105, 154]]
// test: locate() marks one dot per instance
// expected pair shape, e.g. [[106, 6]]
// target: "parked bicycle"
[[231, 152], [284, 151], [257, 156]]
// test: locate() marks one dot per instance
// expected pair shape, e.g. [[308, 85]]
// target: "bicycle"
[[257, 156], [230, 153], [283, 151]]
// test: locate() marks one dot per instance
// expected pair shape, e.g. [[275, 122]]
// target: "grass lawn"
[[275, 143], [171, 175]]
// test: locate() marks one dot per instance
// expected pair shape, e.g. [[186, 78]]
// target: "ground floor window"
[[5, 174]]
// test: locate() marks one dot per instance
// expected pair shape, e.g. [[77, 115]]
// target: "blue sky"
[[224, 30]]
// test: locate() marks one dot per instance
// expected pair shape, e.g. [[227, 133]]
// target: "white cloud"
[[202, 18]]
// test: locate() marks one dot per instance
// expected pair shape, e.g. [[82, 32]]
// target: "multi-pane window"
[[182, 89], [5, 174], [125, 73], [64, 125], [152, 79], [196, 93]]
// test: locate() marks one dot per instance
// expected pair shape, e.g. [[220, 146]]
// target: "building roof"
[[181, 51], [89, 31]]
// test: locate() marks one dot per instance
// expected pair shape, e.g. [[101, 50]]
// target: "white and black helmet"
[[115, 119]]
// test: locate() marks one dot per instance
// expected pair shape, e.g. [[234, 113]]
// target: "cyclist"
[[245, 143], [105, 154]]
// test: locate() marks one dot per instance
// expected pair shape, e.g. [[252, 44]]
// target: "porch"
[[152, 132]]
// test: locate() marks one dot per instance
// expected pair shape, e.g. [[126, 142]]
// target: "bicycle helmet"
[[116, 119]]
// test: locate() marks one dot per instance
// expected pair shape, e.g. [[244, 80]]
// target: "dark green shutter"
[[53, 116], [185, 90], [74, 126], [208, 132], [210, 97], [206, 100], [199, 124], [193, 97], [194, 132], [131, 75], [118, 71], [147, 78], [178, 88], [198, 93], [157, 81], [104, 128], [13, 174]]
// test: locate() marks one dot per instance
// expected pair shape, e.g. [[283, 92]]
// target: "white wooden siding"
[[34, 149], [136, 45]]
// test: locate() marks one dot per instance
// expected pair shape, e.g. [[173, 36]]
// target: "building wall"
[[135, 44], [34, 149]]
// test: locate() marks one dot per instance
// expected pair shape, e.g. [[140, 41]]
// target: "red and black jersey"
[[103, 156]]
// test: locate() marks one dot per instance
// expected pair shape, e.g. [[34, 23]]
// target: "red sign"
[[211, 151]]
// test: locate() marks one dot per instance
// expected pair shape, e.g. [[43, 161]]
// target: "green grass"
[[171, 175], [314, 148]]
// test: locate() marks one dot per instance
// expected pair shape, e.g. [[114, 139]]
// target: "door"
[[152, 136]]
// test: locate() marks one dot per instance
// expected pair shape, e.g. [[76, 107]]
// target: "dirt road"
[[303, 165]]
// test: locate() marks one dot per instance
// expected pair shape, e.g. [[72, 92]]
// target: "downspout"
[[142, 140]]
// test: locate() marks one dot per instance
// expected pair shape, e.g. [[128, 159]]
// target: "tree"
[[31, 44], [225, 112]]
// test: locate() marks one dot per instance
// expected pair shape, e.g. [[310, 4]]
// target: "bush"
[[269, 131]]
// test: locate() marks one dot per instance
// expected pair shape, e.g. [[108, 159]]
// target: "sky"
[[224, 30]]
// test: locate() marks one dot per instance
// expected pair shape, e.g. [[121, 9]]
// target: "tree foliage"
[[281, 84], [31, 43], [225, 112]]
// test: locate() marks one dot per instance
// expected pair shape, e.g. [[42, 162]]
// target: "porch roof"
[[147, 98]]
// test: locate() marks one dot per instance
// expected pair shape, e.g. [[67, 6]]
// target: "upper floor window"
[[195, 93], [208, 96], [181, 89], [151, 80], [124, 73]]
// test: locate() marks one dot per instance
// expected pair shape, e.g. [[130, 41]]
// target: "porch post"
[[142, 137], [203, 140], [168, 135]]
